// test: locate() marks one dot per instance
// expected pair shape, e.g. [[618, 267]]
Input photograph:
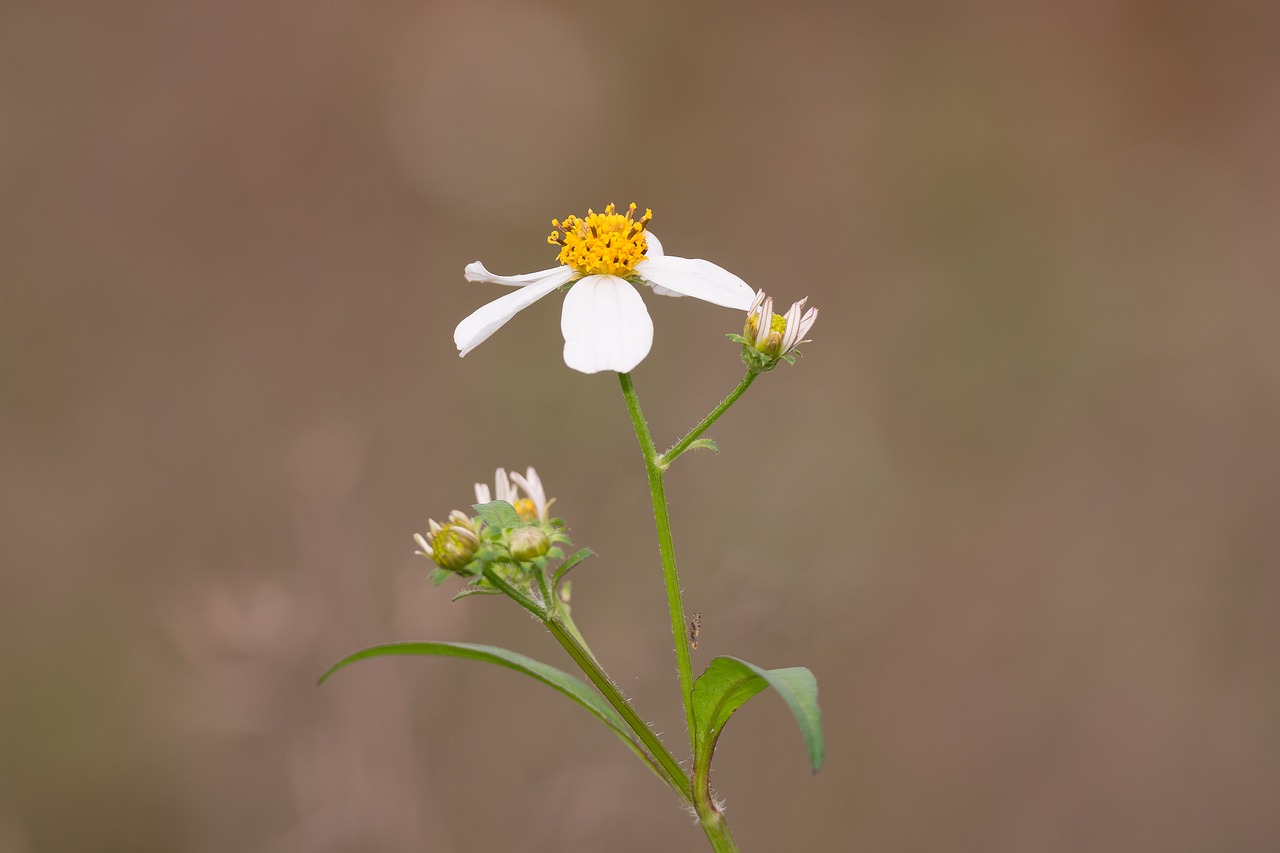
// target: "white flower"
[[532, 507], [775, 335], [532, 487], [604, 321]]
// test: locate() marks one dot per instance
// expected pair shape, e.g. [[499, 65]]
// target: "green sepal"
[[563, 568], [576, 689], [728, 683], [499, 515], [439, 576]]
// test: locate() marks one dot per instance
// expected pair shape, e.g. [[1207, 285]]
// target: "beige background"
[[1017, 507]]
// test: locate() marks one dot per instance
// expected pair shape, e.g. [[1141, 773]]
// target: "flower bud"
[[528, 543], [454, 543], [774, 336]]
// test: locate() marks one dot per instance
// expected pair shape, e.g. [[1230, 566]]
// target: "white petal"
[[764, 320], [654, 249], [482, 494], [791, 323], [502, 490], [487, 319], [605, 325], [476, 271], [697, 278]]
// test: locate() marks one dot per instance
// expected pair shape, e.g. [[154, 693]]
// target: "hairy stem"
[[664, 461], [675, 602], [671, 769]]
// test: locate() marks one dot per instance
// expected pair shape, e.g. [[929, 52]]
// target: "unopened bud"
[[528, 543], [454, 543]]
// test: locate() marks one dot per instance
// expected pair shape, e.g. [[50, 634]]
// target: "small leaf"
[[728, 683], [439, 576], [475, 590], [563, 568], [498, 514], [576, 689], [702, 444]]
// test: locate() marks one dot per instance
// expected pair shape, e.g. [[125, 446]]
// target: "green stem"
[[515, 595], [675, 603], [671, 769], [709, 816], [664, 461]]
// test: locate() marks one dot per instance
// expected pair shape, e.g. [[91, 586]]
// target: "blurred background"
[[1017, 507]]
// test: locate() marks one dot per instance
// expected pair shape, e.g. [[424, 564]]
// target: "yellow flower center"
[[608, 243], [526, 509], [778, 325]]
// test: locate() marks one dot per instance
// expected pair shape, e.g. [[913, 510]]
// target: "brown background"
[[1017, 507]]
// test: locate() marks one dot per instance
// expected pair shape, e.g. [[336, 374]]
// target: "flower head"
[[532, 507], [604, 320], [450, 545], [774, 337]]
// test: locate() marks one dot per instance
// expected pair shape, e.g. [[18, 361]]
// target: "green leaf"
[[563, 568], [475, 590], [701, 444], [576, 689], [728, 683], [499, 514]]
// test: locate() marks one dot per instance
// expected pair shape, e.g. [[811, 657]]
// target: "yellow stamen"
[[608, 243]]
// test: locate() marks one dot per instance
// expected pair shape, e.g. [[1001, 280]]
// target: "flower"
[[604, 320], [530, 508], [534, 507], [450, 545], [773, 335]]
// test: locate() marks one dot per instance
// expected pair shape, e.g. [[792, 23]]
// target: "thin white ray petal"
[[476, 271], [502, 489], [606, 325], [654, 249], [806, 322], [482, 494], [764, 320], [791, 336], [487, 319], [697, 278]]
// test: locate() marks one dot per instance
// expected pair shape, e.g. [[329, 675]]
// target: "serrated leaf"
[[498, 514], [728, 683], [576, 689], [563, 568], [703, 444]]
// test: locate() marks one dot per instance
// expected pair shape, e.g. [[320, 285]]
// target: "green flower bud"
[[528, 543], [452, 545]]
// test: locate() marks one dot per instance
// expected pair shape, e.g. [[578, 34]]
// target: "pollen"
[[608, 243]]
